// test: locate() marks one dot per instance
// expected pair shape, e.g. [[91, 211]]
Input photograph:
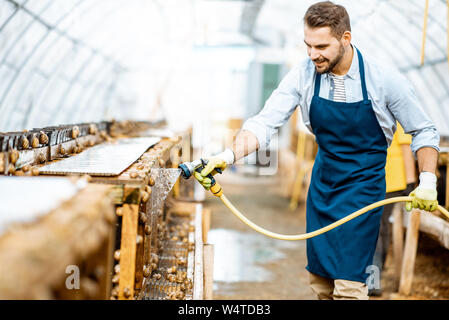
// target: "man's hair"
[[328, 14]]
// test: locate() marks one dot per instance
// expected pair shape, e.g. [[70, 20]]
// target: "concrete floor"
[[248, 265]]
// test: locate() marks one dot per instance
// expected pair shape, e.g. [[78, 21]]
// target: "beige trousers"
[[330, 289]]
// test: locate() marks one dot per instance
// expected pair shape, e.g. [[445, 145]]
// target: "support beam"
[[208, 271], [398, 241], [411, 245], [128, 251]]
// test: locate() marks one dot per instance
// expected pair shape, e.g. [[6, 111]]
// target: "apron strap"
[[317, 84], [362, 78]]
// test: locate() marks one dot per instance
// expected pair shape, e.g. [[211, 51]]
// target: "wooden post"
[[128, 251], [198, 278], [208, 271], [398, 240], [447, 177], [206, 223], [140, 258], [408, 262]]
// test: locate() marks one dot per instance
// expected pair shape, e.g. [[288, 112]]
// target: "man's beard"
[[333, 62]]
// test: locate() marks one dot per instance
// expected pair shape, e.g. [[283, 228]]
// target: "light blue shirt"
[[393, 99]]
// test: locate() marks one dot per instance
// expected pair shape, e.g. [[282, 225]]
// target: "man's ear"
[[346, 38]]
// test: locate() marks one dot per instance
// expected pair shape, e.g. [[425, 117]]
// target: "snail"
[[13, 156], [171, 270], [119, 212], [188, 284], [154, 258], [151, 182], [157, 276], [114, 292], [180, 295], [140, 167], [142, 217], [41, 158], [26, 168], [127, 292], [171, 296], [43, 138], [145, 196], [117, 268], [181, 262], [146, 271], [117, 255], [147, 229], [115, 279], [93, 129], [62, 150], [75, 132], [139, 239], [11, 169], [19, 173], [133, 175], [34, 142], [25, 143], [35, 172], [87, 177], [171, 278]]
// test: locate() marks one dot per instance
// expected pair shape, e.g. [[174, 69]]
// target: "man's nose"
[[314, 54]]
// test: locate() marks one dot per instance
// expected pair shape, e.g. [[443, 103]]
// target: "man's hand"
[[425, 195], [219, 161]]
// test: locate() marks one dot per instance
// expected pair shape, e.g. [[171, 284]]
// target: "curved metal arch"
[[10, 17], [24, 63], [430, 37], [69, 52], [123, 53]]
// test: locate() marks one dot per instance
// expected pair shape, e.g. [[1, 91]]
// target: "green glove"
[[425, 195], [220, 161]]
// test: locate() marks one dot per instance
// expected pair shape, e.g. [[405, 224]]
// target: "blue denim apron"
[[348, 174]]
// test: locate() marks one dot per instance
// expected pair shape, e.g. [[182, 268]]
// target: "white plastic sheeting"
[[90, 60]]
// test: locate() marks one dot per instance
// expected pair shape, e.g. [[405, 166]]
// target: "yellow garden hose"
[[315, 233]]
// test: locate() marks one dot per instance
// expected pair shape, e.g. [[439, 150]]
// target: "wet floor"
[[249, 265]]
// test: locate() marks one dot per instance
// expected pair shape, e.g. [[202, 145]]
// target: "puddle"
[[240, 257]]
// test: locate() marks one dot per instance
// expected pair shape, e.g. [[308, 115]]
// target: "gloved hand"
[[425, 195], [220, 161]]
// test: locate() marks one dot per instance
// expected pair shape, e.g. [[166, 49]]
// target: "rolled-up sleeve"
[[277, 110], [404, 105]]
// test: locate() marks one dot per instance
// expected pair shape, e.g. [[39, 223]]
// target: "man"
[[351, 105]]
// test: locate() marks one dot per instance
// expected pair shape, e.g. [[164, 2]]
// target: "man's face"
[[323, 48]]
